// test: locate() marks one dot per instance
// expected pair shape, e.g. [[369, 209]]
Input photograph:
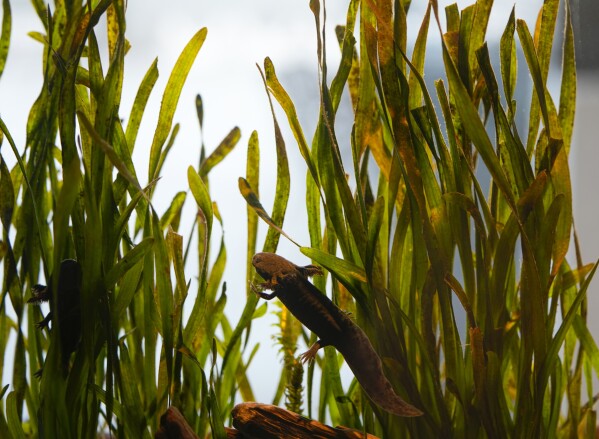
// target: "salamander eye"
[[263, 274]]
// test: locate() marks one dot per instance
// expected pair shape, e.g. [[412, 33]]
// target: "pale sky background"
[[240, 34]]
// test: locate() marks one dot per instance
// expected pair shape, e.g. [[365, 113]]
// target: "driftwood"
[[174, 426], [254, 420]]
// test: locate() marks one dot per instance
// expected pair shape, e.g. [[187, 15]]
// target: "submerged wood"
[[255, 420], [173, 425]]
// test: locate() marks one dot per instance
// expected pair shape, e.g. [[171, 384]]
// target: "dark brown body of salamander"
[[289, 282]]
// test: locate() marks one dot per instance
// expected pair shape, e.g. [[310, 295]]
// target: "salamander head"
[[271, 265]]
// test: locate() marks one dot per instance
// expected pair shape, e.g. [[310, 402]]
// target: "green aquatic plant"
[[443, 226]]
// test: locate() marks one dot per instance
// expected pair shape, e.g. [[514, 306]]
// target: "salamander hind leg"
[[310, 354]]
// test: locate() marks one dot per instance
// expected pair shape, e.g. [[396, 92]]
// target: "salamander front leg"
[[263, 286]]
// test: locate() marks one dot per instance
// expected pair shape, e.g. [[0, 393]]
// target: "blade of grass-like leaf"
[[435, 238], [549, 230], [7, 196], [417, 63], [202, 422], [4, 431], [252, 173], [192, 327], [509, 63], [474, 126], [110, 153], [560, 173], [452, 17], [480, 21], [245, 388], [5, 36], [504, 251], [454, 157], [253, 201], [464, 47], [164, 291], [14, 421], [112, 29], [221, 151], [323, 150], [128, 287], [330, 162], [315, 8], [437, 211], [172, 216], [149, 325], [216, 419], [64, 205], [503, 422], [368, 126], [519, 165], [455, 285], [19, 372], [52, 398], [313, 199], [375, 222], [567, 103], [122, 221], [333, 382], [562, 186], [556, 343], [139, 104], [349, 274], [275, 223], [437, 251], [121, 148], [343, 213], [573, 277], [131, 401], [167, 148], [549, 119], [544, 34], [339, 267], [214, 318], [362, 184], [15, 151], [277, 90], [110, 98], [200, 113], [201, 195], [283, 179], [482, 202], [174, 244], [532, 318], [478, 356], [586, 340], [171, 95], [216, 272], [340, 79], [468, 205], [131, 258]]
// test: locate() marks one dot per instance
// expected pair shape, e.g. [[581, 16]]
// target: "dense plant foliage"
[[439, 207]]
